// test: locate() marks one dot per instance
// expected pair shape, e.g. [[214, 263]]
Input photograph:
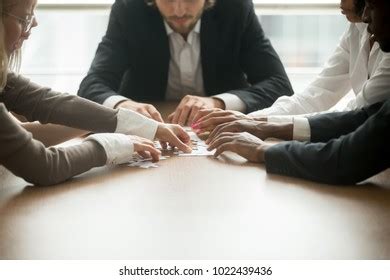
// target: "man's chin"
[[181, 30]]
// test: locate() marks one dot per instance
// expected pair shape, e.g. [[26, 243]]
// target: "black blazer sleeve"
[[347, 160], [324, 127], [261, 64], [112, 59]]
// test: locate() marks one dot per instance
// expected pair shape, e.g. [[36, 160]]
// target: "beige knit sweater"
[[30, 159]]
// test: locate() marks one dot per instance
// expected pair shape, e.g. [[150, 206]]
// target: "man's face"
[[377, 15], [181, 15]]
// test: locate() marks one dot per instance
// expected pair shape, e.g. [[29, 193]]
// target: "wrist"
[[118, 147], [121, 103], [133, 123], [260, 150], [282, 131]]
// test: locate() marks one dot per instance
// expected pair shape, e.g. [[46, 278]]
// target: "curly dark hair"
[[208, 3], [359, 7]]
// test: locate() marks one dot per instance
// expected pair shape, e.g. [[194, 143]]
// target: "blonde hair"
[[12, 62], [3, 52]]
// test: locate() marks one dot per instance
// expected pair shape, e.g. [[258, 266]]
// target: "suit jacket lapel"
[[208, 45], [159, 51]]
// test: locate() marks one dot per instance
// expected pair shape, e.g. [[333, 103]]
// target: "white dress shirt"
[[185, 74], [353, 66]]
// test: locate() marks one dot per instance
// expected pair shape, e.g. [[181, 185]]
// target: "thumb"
[[177, 141], [181, 134]]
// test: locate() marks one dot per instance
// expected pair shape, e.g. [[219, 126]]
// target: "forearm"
[[42, 104], [283, 131], [51, 134], [112, 58], [288, 105], [48, 166], [97, 87], [32, 161], [325, 127], [263, 68], [346, 160], [264, 93]]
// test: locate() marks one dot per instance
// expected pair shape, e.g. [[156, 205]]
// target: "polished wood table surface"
[[193, 208]]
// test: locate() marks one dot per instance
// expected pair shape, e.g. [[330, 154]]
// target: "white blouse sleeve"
[[326, 90]]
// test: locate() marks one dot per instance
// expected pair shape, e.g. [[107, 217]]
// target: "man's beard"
[[184, 29]]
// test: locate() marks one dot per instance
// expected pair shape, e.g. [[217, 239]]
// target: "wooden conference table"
[[193, 208]]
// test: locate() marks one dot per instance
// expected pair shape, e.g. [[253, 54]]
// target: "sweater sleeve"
[[31, 160], [41, 104]]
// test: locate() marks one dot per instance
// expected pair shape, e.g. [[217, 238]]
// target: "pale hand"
[[147, 110], [189, 107], [174, 135], [145, 148]]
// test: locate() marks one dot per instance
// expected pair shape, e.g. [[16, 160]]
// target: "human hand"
[[190, 106], [145, 148], [243, 144], [147, 110], [175, 135], [207, 120], [260, 129]]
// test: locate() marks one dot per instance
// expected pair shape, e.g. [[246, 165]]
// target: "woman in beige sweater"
[[29, 158]]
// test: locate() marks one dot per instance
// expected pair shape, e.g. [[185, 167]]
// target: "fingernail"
[[195, 125]]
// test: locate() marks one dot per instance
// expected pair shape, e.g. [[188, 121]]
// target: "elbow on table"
[[341, 176], [44, 180]]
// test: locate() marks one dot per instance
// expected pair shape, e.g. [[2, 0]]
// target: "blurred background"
[[60, 51]]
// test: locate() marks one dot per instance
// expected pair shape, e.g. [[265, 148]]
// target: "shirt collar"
[[362, 27]]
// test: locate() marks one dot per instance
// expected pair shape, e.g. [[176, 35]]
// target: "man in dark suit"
[[345, 148], [206, 53]]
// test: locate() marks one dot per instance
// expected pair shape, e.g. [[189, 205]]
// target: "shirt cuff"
[[280, 119], [118, 147], [270, 111], [257, 114], [130, 122], [232, 102], [301, 131], [113, 100]]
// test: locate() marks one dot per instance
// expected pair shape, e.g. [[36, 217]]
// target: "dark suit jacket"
[[351, 147], [133, 57]]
